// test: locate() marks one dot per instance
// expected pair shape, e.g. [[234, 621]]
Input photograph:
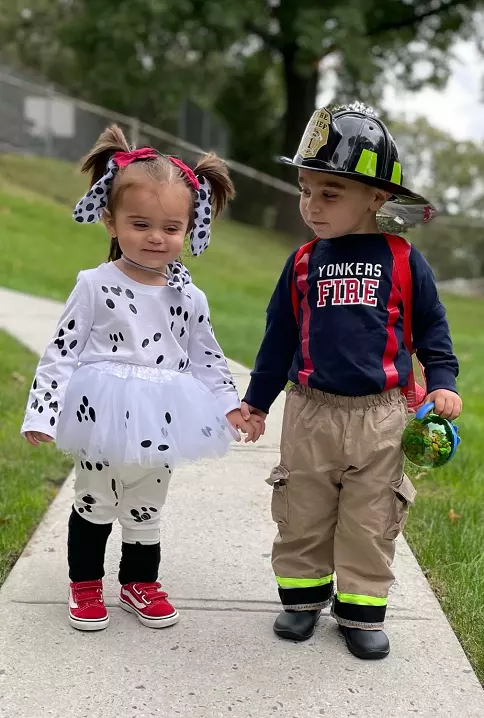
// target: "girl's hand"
[[37, 437], [252, 428], [448, 404]]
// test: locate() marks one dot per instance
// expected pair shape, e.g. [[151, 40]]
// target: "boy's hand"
[[37, 437], [253, 428], [448, 404], [259, 426], [247, 411]]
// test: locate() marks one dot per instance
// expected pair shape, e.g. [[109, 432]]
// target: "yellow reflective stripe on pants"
[[303, 582], [361, 600]]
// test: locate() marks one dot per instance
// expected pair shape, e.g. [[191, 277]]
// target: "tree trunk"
[[301, 89]]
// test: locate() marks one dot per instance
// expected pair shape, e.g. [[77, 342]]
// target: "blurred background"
[[243, 78]]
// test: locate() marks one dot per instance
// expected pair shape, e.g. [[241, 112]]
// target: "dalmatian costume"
[[133, 383]]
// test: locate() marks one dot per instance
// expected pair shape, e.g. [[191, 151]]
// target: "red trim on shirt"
[[391, 348], [301, 270]]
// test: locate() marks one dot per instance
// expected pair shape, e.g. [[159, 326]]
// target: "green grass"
[[449, 549], [29, 478], [60, 181], [43, 252]]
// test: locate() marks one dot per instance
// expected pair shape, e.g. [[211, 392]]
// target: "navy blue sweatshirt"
[[349, 339]]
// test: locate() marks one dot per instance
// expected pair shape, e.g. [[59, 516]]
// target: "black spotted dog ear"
[[90, 208], [200, 233]]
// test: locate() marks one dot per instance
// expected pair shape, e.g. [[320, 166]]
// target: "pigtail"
[[110, 141], [215, 171]]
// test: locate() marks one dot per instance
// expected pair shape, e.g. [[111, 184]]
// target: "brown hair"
[[160, 169]]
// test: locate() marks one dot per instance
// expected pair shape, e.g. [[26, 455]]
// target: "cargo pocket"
[[403, 497], [279, 507]]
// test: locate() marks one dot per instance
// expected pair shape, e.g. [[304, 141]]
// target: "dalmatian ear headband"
[[200, 232], [89, 209]]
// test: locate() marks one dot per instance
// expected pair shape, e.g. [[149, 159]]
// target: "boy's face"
[[334, 206]]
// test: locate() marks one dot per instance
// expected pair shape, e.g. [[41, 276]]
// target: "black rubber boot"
[[368, 645], [296, 625]]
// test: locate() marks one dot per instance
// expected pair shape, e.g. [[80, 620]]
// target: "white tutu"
[[129, 414]]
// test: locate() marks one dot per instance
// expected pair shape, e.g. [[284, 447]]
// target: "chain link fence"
[[36, 119]]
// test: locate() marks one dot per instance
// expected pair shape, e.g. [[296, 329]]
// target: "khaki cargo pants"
[[340, 499]]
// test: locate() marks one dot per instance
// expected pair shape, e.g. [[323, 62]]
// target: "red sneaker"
[[87, 611], [149, 602]]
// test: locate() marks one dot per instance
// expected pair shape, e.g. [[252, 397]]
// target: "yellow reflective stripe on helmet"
[[361, 600], [397, 173], [303, 582], [367, 163]]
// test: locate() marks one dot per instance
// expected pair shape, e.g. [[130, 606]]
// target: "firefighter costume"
[[335, 331]]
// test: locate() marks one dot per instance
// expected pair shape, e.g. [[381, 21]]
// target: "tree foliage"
[[259, 63], [450, 173]]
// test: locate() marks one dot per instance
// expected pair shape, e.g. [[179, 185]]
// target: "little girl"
[[134, 380]]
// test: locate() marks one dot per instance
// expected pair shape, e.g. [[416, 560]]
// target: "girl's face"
[[150, 221]]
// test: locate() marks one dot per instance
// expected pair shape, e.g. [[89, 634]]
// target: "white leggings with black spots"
[[131, 494]]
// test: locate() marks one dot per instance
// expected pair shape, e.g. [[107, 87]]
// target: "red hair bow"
[[123, 159], [189, 173]]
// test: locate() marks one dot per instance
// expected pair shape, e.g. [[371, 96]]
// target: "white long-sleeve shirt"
[[109, 316]]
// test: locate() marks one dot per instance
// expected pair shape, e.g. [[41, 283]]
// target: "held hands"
[[254, 416], [37, 437], [448, 404], [249, 412], [253, 426]]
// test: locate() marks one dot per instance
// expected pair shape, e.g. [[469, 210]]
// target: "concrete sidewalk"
[[222, 659]]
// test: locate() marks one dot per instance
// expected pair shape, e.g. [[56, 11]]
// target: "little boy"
[[335, 330]]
